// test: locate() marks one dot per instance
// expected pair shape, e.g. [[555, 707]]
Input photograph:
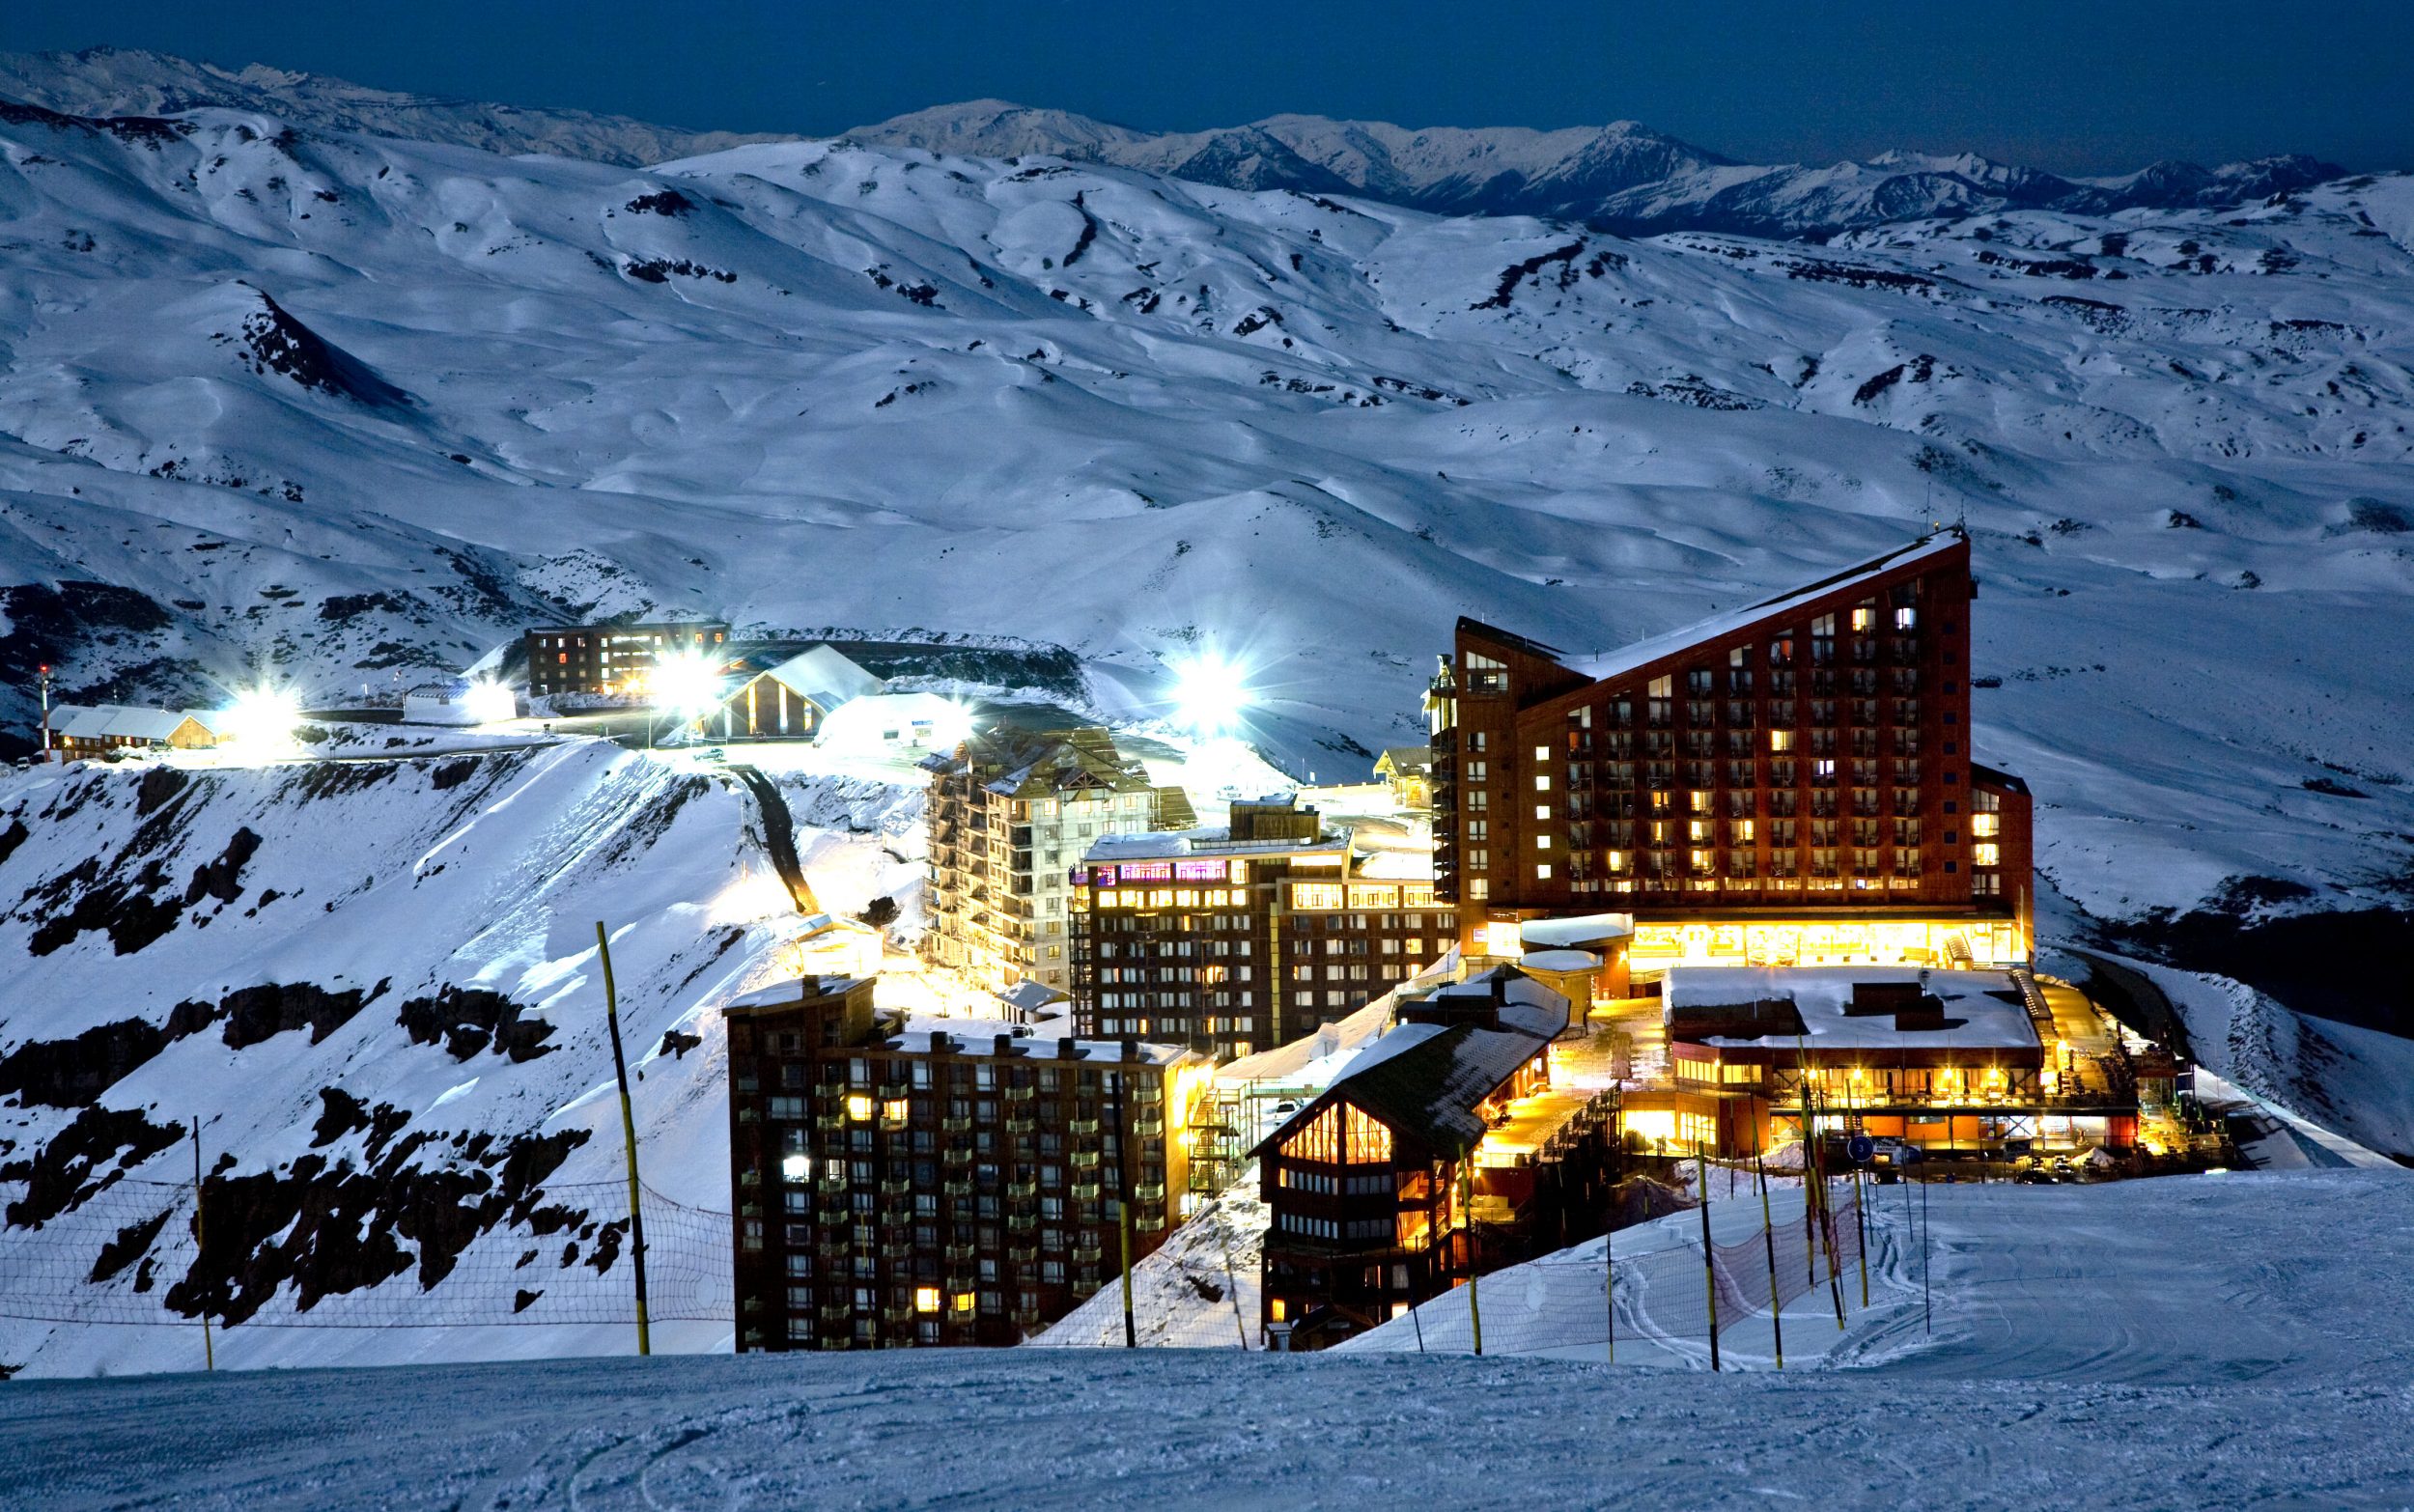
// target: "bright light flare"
[[261, 717], [1209, 693], [686, 683], [489, 703]]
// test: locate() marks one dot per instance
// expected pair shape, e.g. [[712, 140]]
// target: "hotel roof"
[[1983, 1010], [1717, 627]]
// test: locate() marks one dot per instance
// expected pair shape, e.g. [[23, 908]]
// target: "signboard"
[[1861, 1147]]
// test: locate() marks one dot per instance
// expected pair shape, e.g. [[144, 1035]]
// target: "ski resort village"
[[1004, 811]]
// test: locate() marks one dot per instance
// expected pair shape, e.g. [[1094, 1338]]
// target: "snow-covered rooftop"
[[1982, 1009], [1576, 933], [980, 1036], [796, 990], [1717, 627]]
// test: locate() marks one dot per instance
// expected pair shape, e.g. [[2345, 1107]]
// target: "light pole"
[[45, 711]]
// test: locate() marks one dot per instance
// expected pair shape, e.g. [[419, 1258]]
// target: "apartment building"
[[1235, 938], [610, 660], [949, 1182], [1012, 812], [1790, 783]]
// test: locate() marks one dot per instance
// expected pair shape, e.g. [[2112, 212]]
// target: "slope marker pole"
[[628, 1136], [1768, 1235], [1709, 1271], [209, 1351]]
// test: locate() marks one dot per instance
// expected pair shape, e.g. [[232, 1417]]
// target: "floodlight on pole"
[[685, 684], [1209, 693], [489, 703], [261, 718]]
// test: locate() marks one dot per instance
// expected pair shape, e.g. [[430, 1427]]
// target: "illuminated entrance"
[[1927, 942]]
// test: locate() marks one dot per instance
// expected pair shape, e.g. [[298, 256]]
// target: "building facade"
[[1452, 1146], [1790, 783], [900, 1186], [611, 660], [1237, 938], [792, 699], [1011, 814], [80, 730]]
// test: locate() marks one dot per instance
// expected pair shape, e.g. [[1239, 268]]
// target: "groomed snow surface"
[[2227, 1340]]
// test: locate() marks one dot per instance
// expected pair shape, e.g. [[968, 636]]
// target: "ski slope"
[[2170, 1343]]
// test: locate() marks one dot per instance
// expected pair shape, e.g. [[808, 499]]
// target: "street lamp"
[[261, 718]]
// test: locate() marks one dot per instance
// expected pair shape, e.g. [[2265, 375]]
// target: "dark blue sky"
[[2073, 85]]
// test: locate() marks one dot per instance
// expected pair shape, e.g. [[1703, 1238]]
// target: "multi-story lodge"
[[1452, 1144], [610, 660], [1239, 937], [1790, 783], [899, 1184], [1011, 814]]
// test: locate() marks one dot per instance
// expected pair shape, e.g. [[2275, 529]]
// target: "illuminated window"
[[797, 1168], [1780, 740], [1662, 688], [893, 1111], [1542, 782], [1477, 889], [1906, 617], [926, 1299], [1865, 618], [1542, 811], [859, 1108], [1316, 895], [1698, 800], [1698, 831], [1986, 826], [1542, 753], [1617, 861], [1542, 873], [1542, 842], [1987, 852]]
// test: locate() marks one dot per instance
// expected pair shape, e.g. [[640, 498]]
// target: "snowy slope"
[[803, 385], [2179, 1348], [374, 985], [116, 82]]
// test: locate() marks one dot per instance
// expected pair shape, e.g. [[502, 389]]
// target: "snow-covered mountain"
[[115, 81], [1625, 176], [347, 405]]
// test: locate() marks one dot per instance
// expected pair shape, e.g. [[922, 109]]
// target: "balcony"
[[1021, 1094], [1022, 1124], [1149, 1191], [1081, 1129], [956, 1123], [834, 1312], [1023, 1189], [1088, 1252], [1149, 1126], [1086, 1160], [1022, 1222], [896, 1185], [1085, 1191], [1149, 1222], [957, 1186], [834, 1218]]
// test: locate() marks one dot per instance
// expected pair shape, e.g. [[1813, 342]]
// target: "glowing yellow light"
[[859, 1107], [926, 1299], [962, 1302], [795, 1168], [893, 1111]]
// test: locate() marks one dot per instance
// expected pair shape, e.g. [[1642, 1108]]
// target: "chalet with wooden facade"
[[1443, 1150]]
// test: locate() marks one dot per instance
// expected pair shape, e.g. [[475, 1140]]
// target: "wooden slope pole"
[[1467, 1191], [1768, 1237], [1709, 1271], [1123, 1204], [1860, 1234], [628, 1136], [209, 1351]]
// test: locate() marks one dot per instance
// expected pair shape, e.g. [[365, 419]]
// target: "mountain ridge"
[[1625, 176]]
